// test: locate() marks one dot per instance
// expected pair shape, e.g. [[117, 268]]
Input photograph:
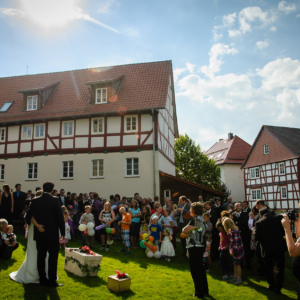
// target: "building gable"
[[277, 151]]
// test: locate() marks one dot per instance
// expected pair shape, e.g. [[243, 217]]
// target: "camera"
[[293, 215]]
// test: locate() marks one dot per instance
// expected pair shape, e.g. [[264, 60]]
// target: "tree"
[[193, 165]]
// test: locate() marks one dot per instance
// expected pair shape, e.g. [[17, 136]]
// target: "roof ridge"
[[141, 63]]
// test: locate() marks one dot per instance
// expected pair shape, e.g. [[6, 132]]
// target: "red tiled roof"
[[233, 152], [288, 137], [144, 86]]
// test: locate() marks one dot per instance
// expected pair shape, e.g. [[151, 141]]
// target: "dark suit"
[[269, 232], [66, 201], [19, 204], [46, 209], [181, 225], [215, 235], [218, 211]]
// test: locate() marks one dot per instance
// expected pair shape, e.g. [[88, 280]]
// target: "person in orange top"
[[125, 227]]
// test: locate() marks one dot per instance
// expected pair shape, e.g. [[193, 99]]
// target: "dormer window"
[[32, 102], [101, 96]]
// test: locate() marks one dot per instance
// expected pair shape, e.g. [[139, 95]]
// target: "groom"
[[47, 211]]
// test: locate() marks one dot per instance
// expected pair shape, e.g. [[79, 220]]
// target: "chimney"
[[230, 136], [221, 140]]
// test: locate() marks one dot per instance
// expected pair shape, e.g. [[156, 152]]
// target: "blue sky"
[[236, 62]]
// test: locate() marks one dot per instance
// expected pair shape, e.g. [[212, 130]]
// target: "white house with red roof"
[[230, 154], [108, 129]]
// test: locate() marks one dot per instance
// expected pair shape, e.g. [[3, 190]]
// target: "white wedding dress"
[[28, 272]]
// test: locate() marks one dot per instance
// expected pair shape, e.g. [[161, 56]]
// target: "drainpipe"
[[154, 169]]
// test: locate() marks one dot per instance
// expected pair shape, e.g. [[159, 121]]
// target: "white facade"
[[233, 177]]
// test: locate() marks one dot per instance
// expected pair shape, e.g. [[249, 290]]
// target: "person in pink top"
[[225, 259]]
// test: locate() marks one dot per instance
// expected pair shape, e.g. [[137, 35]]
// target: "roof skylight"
[[6, 106], [220, 154]]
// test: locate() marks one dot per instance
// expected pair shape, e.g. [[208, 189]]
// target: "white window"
[[266, 149], [101, 96], [281, 168], [132, 167], [2, 168], [97, 168], [6, 106], [39, 131], [68, 128], [167, 194], [254, 173], [131, 124], [32, 102], [26, 132], [67, 169], [32, 171], [283, 192], [98, 125], [2, 134], [256, 194]]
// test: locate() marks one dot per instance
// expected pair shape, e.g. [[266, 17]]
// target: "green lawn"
[[150, 279]]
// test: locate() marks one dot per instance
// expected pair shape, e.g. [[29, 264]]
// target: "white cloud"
[[283, 6], [298, 16], [178, 71], [252, 14], [215, 61], [271, 95], [228, 20], [273, 28], [234, 33], [12, 12], [261, 44]]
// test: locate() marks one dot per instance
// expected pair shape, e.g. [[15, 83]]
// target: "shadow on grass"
[[255, 281], [5, 264], [90, 281], [32, 290], [124, 295]]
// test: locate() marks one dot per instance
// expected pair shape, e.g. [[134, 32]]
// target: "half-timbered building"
[[271, 169], [108, 129]]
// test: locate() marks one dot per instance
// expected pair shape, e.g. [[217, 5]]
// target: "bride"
[[28, 272]]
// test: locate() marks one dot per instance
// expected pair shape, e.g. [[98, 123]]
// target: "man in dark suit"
[[240, 219], [269, 232], [46, 209], [183, 208], [19, 202], [218, 208], [246, 207], [64, 200]]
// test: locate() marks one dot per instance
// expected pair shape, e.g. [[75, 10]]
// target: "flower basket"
[[82, 264], [117, 285]]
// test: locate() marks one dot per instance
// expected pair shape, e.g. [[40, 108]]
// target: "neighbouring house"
[[109, 129], [272, 168], [230, 154]]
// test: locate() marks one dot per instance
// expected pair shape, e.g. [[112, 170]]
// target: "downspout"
[[154, 169]]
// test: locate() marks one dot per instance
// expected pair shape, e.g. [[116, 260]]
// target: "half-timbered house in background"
[[106, 129], [229, 154], [271, 168]]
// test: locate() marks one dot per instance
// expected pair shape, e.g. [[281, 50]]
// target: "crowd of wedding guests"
[[231, 232]]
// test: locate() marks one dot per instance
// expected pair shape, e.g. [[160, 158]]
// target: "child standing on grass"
[[125, 227], [206, 253], [236, 248], [63, 242], [225, 259], [155, 231], [167, 248], [86, 218]]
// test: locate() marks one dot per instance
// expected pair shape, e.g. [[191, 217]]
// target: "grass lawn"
[[150, 279]]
